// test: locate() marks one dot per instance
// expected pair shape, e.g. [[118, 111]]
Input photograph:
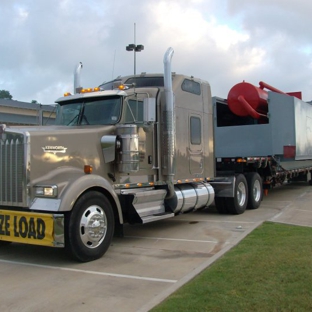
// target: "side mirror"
[[149, 110]]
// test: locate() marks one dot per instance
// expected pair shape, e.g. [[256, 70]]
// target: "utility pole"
[[135, 48]]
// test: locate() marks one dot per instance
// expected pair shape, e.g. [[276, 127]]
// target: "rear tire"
[[89, 227], [255, 194], [238, 203]]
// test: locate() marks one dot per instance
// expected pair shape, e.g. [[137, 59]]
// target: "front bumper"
[[32, 228]]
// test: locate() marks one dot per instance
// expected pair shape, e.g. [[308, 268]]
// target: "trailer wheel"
[[220, 203], [89, 227], [238, 203], [255, 194]]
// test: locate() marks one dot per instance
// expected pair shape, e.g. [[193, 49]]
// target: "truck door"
[[196, 158], [134, 115]]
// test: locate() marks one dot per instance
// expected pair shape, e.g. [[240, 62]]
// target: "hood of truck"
[[67, 146], [57, 154]]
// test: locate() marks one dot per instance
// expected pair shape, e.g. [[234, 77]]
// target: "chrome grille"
[[12, 170]]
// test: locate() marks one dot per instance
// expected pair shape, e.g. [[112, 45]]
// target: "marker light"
[[88, 90], [87, 169], [241, 160], [67, 94]]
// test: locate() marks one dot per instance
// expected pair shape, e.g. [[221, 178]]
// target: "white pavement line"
[[303, 194], [281, 212], [305, 210], [209, 220], [150, 279], [173, 239]]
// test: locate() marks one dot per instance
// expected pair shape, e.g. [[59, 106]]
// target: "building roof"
[[22, 113], [26, 105]]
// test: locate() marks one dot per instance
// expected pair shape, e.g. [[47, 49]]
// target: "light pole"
[[135, 48]]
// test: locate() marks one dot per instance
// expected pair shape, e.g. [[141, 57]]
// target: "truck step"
[[157, 217], [147, 202]]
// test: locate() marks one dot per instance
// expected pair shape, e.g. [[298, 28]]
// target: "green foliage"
[[270, 270], [4, 94]]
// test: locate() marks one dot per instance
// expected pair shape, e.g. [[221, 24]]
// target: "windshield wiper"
[[74, 120]]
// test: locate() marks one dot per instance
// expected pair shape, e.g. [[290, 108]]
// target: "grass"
[[270, 270]]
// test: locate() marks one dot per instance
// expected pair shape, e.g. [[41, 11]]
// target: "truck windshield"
[[98, 111]]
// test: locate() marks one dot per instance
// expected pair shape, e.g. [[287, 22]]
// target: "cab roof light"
[[126, 86], [122, 87], [88, 90], [67, 94]]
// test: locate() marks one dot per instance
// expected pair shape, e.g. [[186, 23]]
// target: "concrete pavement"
[[143, 268], [294, 210]]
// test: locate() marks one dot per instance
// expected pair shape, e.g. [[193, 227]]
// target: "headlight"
[[46, 191]]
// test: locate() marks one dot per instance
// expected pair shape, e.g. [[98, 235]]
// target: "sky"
[[221, 41]]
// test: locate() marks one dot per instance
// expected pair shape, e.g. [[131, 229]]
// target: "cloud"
[[223, 42]]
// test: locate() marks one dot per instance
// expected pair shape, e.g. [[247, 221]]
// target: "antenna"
[[114, 64]]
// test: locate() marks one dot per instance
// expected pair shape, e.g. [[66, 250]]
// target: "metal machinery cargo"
[[273, 137], [286, 133]]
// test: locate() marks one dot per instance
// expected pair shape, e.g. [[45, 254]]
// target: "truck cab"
[[135, 150]]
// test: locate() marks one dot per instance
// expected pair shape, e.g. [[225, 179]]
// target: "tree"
[[4, 94], [34, 102]]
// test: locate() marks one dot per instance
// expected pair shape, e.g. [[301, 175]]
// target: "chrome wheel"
[[255, 195], [93, 226], [256, 191], [238, 203], [241, 193], [89, 227]]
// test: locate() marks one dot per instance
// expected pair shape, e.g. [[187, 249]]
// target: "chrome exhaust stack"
[[77, 82], [168, 158]]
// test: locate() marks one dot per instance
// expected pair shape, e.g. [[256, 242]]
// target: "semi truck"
[[143, 148]]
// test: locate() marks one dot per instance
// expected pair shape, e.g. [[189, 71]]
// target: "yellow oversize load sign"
[[25, 227]]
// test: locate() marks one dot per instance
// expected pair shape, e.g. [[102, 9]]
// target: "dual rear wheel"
[[248, 193]]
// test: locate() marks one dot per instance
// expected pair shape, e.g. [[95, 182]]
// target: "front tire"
[[238, 203], [89, 227]]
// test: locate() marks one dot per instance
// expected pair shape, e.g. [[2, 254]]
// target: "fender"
[[71, 193]]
